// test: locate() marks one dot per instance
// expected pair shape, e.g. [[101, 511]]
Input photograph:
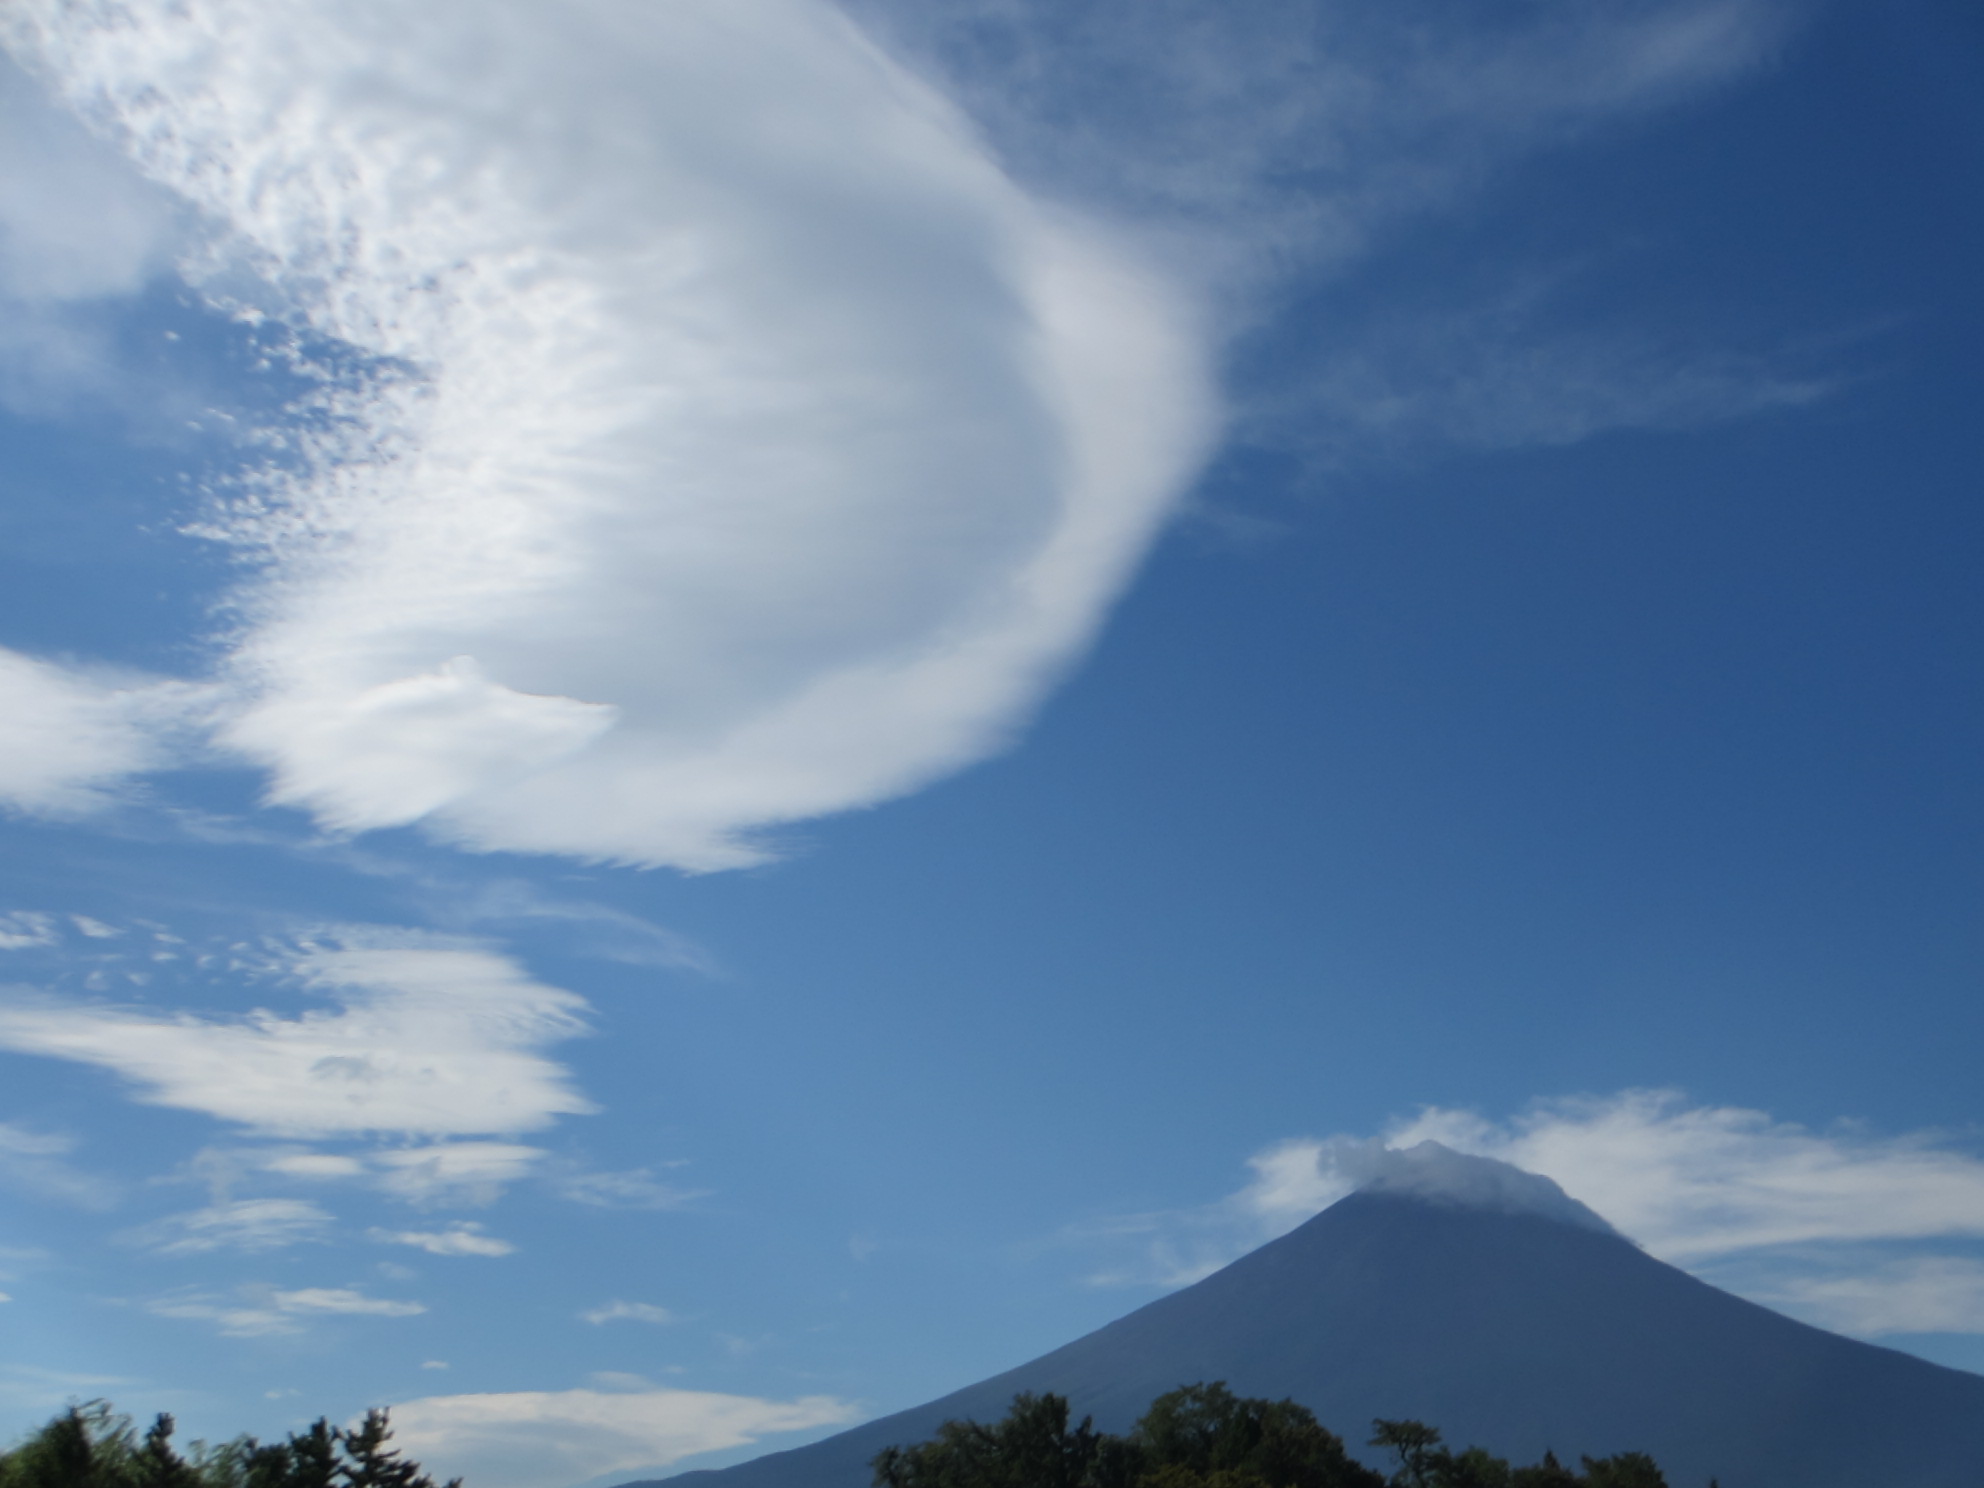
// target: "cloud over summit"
[[713, 436]]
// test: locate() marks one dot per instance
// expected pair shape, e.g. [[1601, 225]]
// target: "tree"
[[1031, 1448], [1205, 1436], [91, 1446], [1417, 1447], [370, 1463], [1210, 1432], [156, 1465]]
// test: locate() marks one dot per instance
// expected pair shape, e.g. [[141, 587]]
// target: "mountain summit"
[[1437, 1174], [1484, 1300]]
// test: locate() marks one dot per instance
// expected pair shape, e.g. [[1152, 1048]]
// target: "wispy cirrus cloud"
[[1917, 1294], [38, 1161], [638, 1312], [241, 1224], [525, 1438], [258, 1310], [423, 1040]]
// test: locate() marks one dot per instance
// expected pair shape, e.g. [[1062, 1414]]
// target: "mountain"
[[1482, 1300]]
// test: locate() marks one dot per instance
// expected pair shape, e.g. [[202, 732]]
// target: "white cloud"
[[241, 1224], [454, 1172], [257, 1310], [543, 1439], [635, 1188], [1288, 128], [456, 1240], [76, 221], [65, 737], [749, 447], [1921, 1294], [1501, 375], [720, 437], [320, 1166], [26, 929], [1801, 1219], [78, 226], [38, 1162], [639, 1312], [1690, 1182], [424, 1040], [1249, 138]]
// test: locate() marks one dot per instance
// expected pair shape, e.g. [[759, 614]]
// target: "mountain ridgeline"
[[1524, 1327]]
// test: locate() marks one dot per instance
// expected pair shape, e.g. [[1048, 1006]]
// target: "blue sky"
[[715, 715]]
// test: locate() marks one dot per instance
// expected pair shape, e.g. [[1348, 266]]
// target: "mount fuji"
[[1483, 1300]]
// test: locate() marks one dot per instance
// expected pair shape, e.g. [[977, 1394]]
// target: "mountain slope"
[[1515, 1330]]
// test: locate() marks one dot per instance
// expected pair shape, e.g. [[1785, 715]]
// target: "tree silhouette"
[[1205, 1436]]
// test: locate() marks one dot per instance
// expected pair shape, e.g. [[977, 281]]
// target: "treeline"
[[92, 1446], [1204, 1436]]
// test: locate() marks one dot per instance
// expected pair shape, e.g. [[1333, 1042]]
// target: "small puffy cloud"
[[254, 1311], [423, 1040], [457, 1240], [639, 1312], [529, 1439], [27, 929], [242, 1224]]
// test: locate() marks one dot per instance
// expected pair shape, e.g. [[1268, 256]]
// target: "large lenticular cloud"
[[735, 442]]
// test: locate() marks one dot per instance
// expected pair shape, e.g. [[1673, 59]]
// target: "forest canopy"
[[92, 1446], [1205, 1436]]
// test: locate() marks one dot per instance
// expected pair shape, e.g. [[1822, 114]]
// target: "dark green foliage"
[[1417, 1447], [91, 1446], [370, 1463], [1205, 1436], [1031, 1448]]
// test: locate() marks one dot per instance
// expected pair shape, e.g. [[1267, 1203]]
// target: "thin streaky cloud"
[[638, 1312], [259, 1310], [249, 1225], [457, 1240]]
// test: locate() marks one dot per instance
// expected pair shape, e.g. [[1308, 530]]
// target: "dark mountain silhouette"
[[1508, 1316]]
